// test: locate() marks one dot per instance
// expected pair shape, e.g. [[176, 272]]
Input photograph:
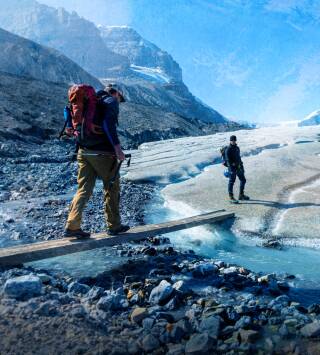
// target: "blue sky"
[[256, 60]]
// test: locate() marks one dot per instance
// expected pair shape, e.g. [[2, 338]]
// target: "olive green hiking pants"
[[91, 167]]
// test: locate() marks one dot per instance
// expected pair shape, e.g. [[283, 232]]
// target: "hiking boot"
[[119, 230], [77, 233], [232, 199], [243, 197]]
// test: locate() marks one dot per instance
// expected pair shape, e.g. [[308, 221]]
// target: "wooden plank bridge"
[[37, 251]]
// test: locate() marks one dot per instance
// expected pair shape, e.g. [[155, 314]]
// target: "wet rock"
[[175, 349], [113, 301], [23, 287], [133, 347], [173, 304], [205, 269], [314, 308], [311, 330], [275, 244], [165, 315], [78, 288], [45, 278], [248, 336], [283, 286], [243, 322], [78, 311], [230, 270], [266, 278], [181, 287], [147, 323], [210, 324], [162, 293], [138, 314], [95, 293], [199, 344], [179, 330], [150, 343]]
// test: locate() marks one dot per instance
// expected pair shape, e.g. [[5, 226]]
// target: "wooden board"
[[37, 251]]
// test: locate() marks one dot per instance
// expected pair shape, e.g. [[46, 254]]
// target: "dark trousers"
[[232, 179]]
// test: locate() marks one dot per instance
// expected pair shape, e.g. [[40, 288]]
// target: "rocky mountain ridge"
[[150, 74], [77, 38], [25, 58]]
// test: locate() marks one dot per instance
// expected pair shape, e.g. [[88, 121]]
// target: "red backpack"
[[83, 102]]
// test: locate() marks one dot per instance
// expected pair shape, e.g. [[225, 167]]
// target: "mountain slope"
[[31, 111], [23, 57], [119, 53], [311, 120], [74, 36], [154, 77]]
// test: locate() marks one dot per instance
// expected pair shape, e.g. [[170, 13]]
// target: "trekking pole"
[[117, 172], [62, 131]]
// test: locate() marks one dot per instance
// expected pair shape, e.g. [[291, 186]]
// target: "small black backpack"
[[223, 151]]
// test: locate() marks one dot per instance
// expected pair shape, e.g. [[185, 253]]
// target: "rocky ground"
[[161, 301], [36, 190], [158, 300]]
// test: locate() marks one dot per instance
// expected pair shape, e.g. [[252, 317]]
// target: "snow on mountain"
[[153, 74], [140, 52], [150, 76], [311, 120]]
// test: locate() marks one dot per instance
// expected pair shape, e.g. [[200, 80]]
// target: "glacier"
[[282, 169]]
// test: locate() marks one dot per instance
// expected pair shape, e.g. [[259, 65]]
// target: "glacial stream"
[[220, 243], [216, 242]]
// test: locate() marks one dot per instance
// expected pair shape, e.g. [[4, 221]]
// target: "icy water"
[[216, 242], [219, 243]]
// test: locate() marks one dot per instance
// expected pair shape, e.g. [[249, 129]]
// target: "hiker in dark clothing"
[[235, 167], [98, 157]]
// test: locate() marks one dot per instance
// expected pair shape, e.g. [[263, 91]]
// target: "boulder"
[[179, 330], [311, 330], [113, 301], [23, 287], [199, 344], [243, 322], [162, 293], [181, 287], [150, 343], [248, 336], [175, 349], [205, 269], [78, 288], [95, 293], [211, 325], [138, 314]]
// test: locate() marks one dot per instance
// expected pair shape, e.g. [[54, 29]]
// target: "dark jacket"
[[233, 158], [106, 117]]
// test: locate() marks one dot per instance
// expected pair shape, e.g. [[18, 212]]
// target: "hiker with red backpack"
[[93, 118]]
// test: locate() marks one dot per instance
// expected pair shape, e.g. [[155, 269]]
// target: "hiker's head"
[[233, 140], [113, 91]]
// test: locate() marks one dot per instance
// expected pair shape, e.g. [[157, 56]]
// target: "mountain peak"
[[126, 41]]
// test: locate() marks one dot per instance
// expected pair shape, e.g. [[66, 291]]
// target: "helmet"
[[226, 173]]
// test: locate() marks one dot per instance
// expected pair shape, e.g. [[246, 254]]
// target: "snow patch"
[[154, 74]]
